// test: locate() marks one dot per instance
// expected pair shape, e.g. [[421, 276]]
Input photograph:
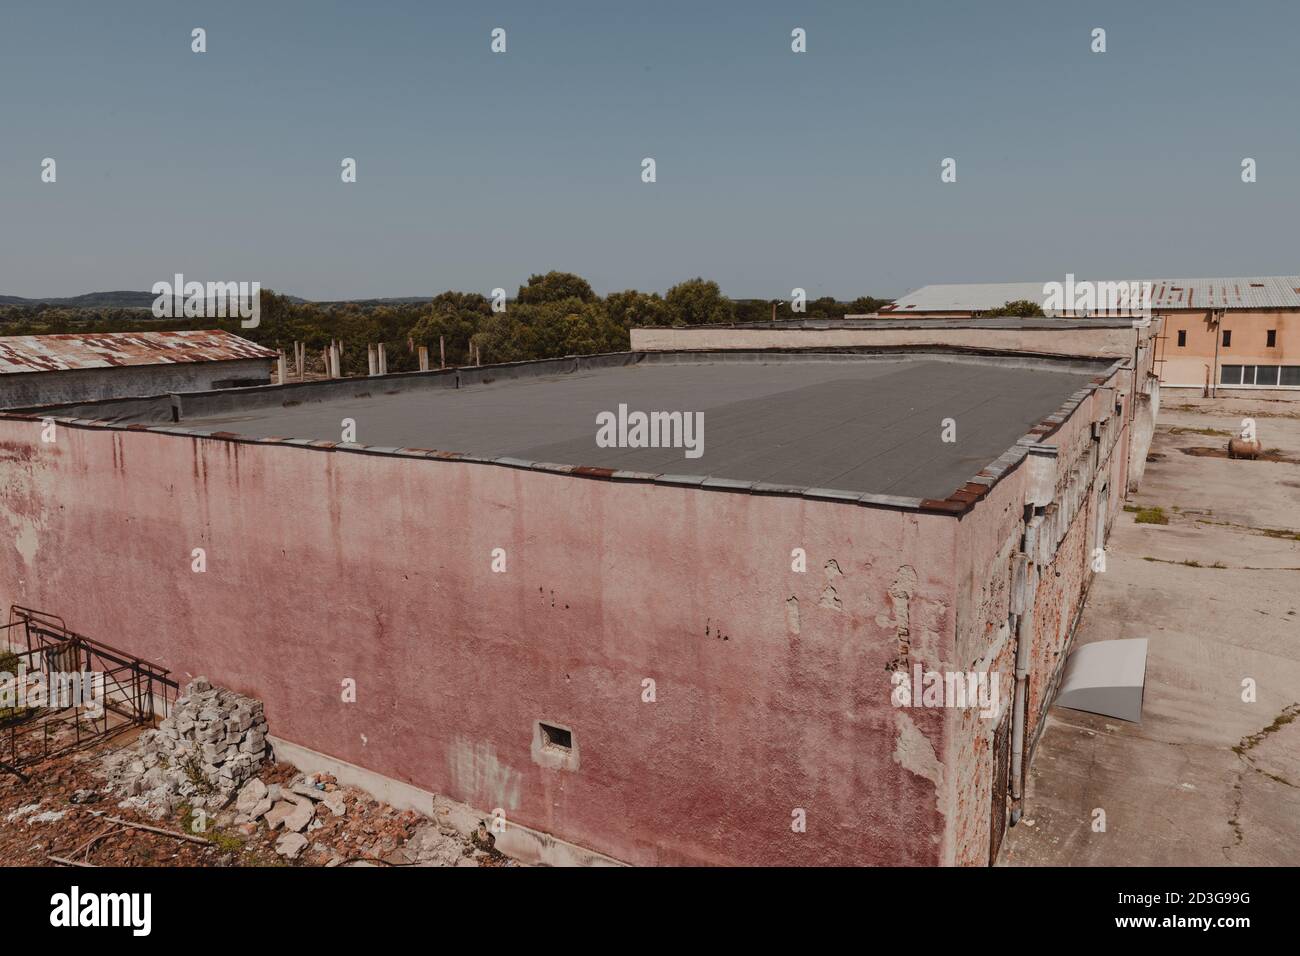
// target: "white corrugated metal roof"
[[1250, 292], [1259, 292], [966, 298], [64, 352]]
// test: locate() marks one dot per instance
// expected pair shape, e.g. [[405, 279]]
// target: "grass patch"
[[1153, 515], [1289, 713], [1188, 563], [222, 841], [191, 767], [1181, 430], [1285, 534]]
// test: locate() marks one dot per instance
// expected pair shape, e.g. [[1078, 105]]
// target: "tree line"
[[552, 315]]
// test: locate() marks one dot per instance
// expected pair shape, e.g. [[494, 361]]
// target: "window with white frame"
[[1260, 376]]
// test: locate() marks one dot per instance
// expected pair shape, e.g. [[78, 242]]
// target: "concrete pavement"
[[1206, 778]]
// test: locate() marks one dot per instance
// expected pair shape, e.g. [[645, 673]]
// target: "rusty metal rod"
[[143, 826]]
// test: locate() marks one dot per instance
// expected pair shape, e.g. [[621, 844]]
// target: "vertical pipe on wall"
[[1216, 324], [1024, 643]]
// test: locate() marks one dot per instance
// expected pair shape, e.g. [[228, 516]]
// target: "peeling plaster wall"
[[772, 688], [1063, 580], [988, 538]]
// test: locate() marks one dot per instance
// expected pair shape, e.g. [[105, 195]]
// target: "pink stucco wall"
[[772, 690], [772, 686], [1062, 584], [988, 538]]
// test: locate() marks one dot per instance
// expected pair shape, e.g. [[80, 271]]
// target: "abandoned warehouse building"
[[617, 647], [92, 366]]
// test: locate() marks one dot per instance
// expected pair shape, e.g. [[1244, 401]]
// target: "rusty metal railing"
[[129, 690]]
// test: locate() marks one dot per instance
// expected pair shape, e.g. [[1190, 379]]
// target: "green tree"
[[866, 305], [631, 308], [554, 287], [568, 327], [502, 337], [1020, 307], [698, 302], [455, 317]]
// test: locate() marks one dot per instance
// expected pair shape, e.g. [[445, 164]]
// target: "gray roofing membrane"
[[868, 423]]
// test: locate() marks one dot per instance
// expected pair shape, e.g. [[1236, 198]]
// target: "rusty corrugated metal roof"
[[78, 350]]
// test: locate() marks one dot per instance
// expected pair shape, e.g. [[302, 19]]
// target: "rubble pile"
[[205, 770], [310, 816], [211, 744]]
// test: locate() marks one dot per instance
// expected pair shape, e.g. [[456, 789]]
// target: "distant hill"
[[144, 300], [91, 300], [397, 300]]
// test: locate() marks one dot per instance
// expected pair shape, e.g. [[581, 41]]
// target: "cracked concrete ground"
[[1205, 779]]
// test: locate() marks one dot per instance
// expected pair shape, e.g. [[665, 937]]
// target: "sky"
[[774, 169]]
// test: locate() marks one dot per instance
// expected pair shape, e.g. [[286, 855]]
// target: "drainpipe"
[[1024, 638], [1133, 400], [1216, 323], [1041, 462]]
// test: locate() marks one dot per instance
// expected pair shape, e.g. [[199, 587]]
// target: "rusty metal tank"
[[1248, 448]]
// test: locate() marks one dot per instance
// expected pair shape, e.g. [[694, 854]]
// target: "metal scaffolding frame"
[[128, 691]]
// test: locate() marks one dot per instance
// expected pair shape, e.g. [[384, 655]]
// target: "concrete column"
[[374, 361], [383, 360], [281, 369], [424, 358]]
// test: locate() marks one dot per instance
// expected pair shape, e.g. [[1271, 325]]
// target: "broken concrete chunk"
[[335, 802], [309, 791], [290, 845], [277, 814], [298, 818]]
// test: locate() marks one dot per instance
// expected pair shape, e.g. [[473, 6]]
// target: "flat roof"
[[79, 350], [858, 423]]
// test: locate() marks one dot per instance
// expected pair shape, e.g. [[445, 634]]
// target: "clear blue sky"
[[775, 170]]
